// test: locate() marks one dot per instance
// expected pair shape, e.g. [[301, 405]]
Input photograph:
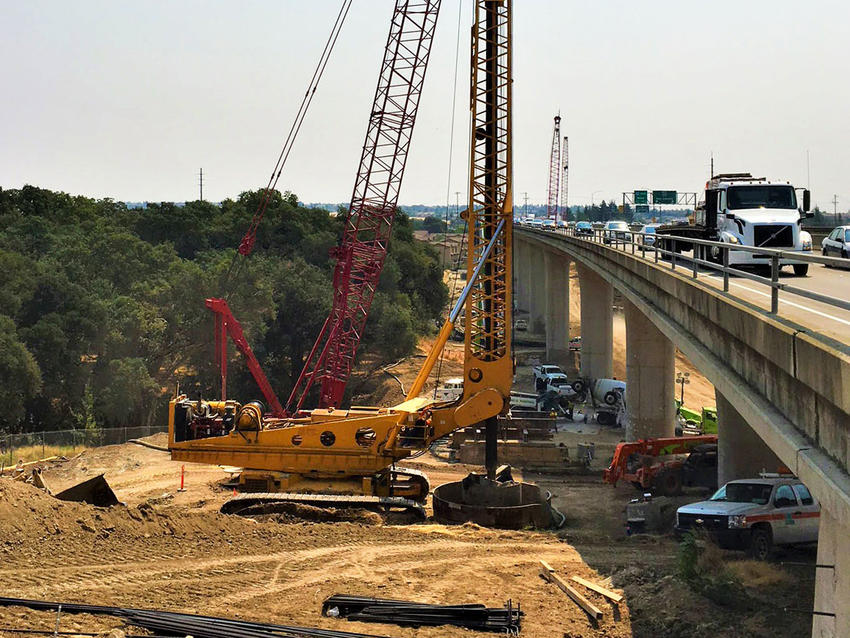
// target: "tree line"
[[102, 306]]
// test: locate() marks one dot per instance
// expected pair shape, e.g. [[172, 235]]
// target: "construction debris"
[[176, 624], [548, 574], [94, 491], [399, 612], [616, 598]]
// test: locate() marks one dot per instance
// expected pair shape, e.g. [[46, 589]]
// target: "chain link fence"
[[37, 445]]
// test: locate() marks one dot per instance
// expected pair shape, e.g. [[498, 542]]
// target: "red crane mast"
[[554, 171], [565, 179], [362, 249]]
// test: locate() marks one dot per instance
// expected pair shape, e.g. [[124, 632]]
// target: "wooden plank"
[[549, 574], [582, 602], [598, 589]]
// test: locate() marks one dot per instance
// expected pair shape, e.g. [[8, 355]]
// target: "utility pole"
[[201, 183], [835, 208], [711, 176], [457, 204], [808, 171], [525, 207]]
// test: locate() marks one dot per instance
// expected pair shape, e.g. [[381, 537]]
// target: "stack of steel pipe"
[[176, 624], [400, 612]]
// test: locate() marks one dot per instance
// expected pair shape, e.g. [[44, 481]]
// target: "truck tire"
[[761, 543], [610, 398], [578, 386], [606, 418], [800, 270], [668, 482]]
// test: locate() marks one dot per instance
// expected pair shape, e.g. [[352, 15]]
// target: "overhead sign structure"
[[664, 197], [641, 197]]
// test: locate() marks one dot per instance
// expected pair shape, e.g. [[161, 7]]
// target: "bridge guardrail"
[[678, 244]]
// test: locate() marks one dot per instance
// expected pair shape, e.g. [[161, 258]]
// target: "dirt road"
[[173, 551]]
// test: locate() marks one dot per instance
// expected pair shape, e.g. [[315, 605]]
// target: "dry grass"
[[37, 452], [753, 573]]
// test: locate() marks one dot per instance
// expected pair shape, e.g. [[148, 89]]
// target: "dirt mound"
[[26, 511]]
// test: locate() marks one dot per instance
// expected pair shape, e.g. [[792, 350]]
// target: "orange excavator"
[[339, 456], [656, 464]]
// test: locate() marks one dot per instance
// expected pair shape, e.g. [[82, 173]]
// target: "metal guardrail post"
[[673, 255], [774, 284], [694, 260], [725, 269]]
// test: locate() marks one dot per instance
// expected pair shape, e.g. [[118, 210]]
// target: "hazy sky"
[[128, 99]]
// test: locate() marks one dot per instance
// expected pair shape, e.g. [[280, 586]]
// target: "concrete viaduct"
[[783, 392]]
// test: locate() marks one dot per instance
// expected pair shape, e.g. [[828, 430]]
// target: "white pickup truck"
[[542, 373], [560, 384], [756, 515]]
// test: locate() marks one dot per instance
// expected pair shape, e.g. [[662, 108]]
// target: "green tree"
[[128, 392], [20, 377]]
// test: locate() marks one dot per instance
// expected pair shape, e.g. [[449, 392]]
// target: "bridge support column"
[[832, 586], [521, 267], [557, 308], [537, 287], [650, 366], [597, 324], [740, 451]]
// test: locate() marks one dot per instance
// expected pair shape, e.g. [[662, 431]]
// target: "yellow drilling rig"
[[348, 455]]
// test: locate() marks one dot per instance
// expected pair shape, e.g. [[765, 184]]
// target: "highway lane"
[[815, 316]]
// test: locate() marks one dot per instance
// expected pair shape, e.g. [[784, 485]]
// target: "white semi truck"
[[742, 210]]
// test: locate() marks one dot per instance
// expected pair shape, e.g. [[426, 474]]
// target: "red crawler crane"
[[363, 248], [565, 179], [554, 171]]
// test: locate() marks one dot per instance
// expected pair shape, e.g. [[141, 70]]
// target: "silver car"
[[837, 243], [647, 238], [615, 232]]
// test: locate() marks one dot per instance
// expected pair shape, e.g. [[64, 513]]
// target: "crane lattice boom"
[[362, 249], [565, 179], [554, 172]]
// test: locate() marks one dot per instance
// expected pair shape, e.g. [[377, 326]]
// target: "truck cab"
[[740, 209]]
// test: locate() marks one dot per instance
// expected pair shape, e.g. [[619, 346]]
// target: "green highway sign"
[[663, 197], [642, 208], [641, 197]]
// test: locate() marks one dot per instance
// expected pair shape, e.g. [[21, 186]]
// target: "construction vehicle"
[[606, 396], [742, 210], [658, 465], [692, 423], [341, 456], [367, 226], [542, 373]]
